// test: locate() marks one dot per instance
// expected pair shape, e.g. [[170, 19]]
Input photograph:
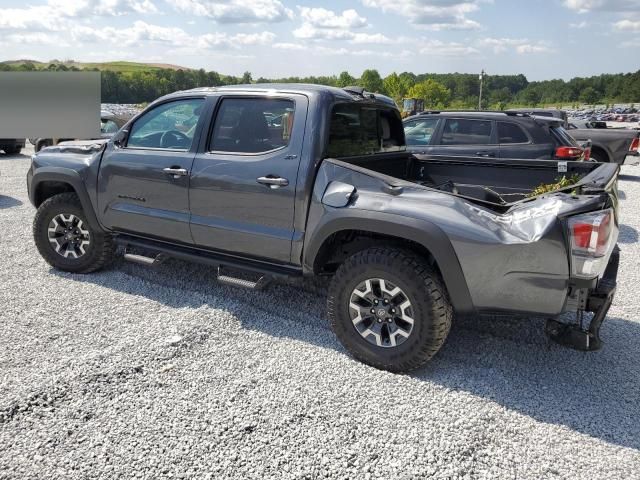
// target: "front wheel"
[[65, 239], [389, 308]]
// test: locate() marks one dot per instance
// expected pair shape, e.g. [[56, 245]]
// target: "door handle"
[[273, 181], [177, 172], [485, 154]]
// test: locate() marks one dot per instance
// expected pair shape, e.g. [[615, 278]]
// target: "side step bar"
[[259, 284], [266, 272], [146, 261]]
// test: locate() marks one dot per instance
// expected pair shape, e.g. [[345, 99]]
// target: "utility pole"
[[482, 74]]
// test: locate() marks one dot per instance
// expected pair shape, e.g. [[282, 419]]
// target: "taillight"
[[635, 145], [587, 153], [569, 152], [592, 236]]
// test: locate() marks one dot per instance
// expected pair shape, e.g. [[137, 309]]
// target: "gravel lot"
[[131, 373]]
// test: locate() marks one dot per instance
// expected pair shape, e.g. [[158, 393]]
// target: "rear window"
[[363, 130], [562, 137], [511, 133]]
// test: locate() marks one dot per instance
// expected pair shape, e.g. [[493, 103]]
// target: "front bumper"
[[632, 159]]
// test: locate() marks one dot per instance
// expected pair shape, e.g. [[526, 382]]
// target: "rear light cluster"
[[592, 238], [635, 145], [569, 153]]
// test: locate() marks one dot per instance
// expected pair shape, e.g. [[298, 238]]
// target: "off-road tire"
[[423, 286], [99, 252]]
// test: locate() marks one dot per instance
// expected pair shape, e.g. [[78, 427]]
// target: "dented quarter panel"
[[515, 261]]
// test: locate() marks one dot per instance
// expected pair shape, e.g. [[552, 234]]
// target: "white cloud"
[[235, 11], [519, 45], [171, 36], [579, 25], [323, 18], [584, 6], [438, 48], [432, 15], [323, 24], [627, 26]]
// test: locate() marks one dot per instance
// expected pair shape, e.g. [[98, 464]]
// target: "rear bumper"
[[632, 159], [598, 301]]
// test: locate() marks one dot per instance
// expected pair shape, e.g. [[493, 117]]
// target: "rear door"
[[515, 142], [243, 185], [466, 137]]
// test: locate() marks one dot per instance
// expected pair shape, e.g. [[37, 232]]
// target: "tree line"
[[449, 90]]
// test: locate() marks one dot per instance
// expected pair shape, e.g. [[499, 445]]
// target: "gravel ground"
[[132, 373]]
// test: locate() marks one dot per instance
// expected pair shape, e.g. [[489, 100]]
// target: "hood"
[[78, 146]]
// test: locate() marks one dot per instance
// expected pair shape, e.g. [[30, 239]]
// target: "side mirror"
[[120, 138]]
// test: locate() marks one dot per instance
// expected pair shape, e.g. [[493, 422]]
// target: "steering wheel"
[[177, 136]]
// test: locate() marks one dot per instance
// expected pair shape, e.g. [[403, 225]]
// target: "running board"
[[260, 284], [146, 261]]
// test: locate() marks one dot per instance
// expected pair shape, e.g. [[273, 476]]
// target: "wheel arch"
[[599, 149], [54, 181], [376, 229]]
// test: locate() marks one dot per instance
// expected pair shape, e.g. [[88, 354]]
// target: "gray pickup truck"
[[616, 145], [297, 182]]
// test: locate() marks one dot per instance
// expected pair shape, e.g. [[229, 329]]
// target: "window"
[[419, 132], [458, 131], [252, 125], [108, 126], [511, 133], [170, 125], [363, 130]]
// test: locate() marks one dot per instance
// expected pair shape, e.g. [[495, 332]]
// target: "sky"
[[542, 39]]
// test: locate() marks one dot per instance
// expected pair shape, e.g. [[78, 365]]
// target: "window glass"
[[108, 126], [171, 125], [511, 133], [458, 131], [362, 130], [252, 125], [419, 132], [562, 137]]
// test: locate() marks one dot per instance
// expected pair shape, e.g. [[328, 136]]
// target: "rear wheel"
[[598, 157], [389, 308], [65, 239]]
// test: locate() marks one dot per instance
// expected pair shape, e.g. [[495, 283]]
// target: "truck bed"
[[498, 183]]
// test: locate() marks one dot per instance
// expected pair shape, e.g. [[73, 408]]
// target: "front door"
[[143, 186], [243, 186]]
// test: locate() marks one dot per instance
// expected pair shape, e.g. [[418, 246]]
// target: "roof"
[[487, 114], [308, 89]]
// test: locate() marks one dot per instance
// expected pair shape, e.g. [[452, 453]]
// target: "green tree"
[[590, 96], [371, 81], [396, 87], [434, 94], [246, 78], [345, 80]]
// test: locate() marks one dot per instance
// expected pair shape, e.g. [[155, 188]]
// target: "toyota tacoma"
[[300, 182]]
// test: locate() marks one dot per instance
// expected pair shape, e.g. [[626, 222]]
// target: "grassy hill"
[[113, 66]]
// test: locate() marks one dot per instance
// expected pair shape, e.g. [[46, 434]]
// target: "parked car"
[[12, 146], [607, 145], [407, 241], [615, 145], [544, 112], [110, 123], [491, 135]]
